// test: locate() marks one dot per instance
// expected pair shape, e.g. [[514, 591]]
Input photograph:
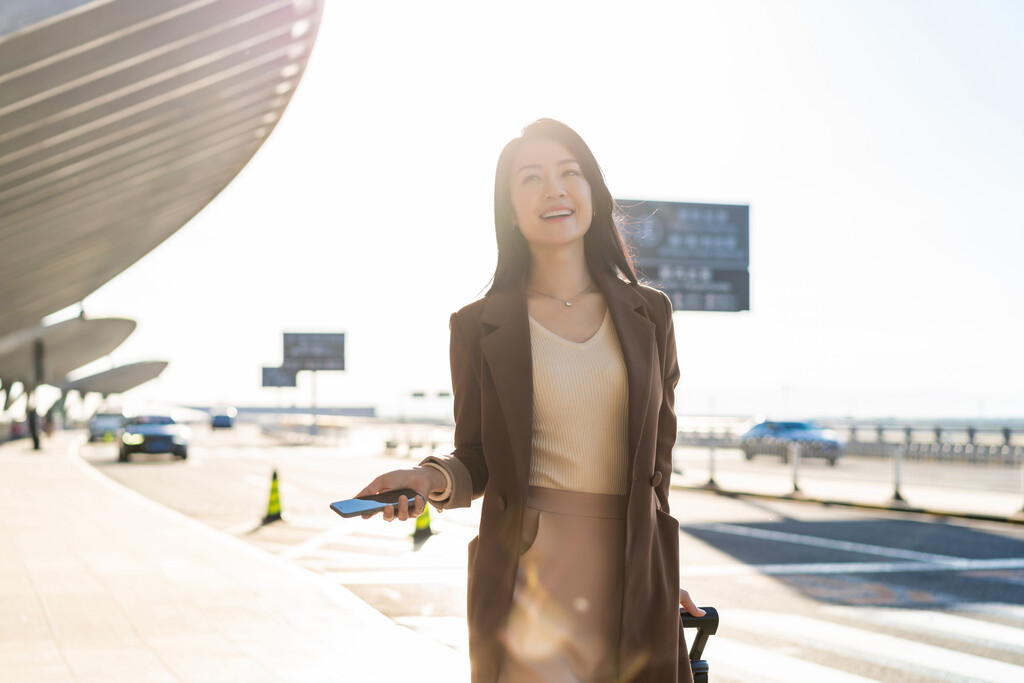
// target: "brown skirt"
[[567, 607]]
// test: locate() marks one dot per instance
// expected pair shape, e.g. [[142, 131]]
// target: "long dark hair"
[[603, 244]]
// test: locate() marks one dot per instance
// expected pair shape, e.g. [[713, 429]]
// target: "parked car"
[[153, 434], [775, 438], [105, 426]]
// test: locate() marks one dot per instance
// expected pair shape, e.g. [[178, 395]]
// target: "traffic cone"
[[274, 504], [422, 532]]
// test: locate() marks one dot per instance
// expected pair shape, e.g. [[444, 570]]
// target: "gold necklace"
[[568, 302]]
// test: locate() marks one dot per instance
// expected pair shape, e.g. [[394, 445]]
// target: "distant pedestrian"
[[33, 427], [564, 377]]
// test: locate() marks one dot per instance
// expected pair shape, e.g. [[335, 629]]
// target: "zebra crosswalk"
[[831, 644], [946, 660], [733, 660], [943, 624]]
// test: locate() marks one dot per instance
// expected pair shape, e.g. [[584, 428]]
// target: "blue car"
[[223, 418], [775, 438], [153, 434], [222, 421]]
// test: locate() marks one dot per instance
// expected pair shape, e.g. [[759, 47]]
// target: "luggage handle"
[[706, 625]]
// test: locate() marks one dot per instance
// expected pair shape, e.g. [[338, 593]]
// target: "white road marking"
[[844, 567], [994, 609], [733, 659], [451, 631], [832, 544], [409, 575], [365, 544], [942, 624], [411, 562], [258, 482], [897, 653], [316, 542]]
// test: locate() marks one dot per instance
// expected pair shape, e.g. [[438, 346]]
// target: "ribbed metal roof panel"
[[119, 121]]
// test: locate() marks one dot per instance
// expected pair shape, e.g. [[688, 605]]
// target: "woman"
[[563, 378]]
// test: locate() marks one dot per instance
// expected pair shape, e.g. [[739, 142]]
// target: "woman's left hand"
[[689, 605]]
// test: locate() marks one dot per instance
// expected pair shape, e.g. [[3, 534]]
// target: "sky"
[[879, 144]]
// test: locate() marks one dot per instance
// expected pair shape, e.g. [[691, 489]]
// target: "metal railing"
[[981, 454], [792, 451]]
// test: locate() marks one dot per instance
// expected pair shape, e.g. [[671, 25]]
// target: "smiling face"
[[550, 196]]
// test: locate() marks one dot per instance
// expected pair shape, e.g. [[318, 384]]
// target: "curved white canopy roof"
[[117, 380], [119, 120], [63, 347]]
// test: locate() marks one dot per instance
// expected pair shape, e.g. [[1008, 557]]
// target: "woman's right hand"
[[422, 480]]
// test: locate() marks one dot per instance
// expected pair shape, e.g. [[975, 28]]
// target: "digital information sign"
[[698, 254], [306, 351], [314, 351], [278, 377]]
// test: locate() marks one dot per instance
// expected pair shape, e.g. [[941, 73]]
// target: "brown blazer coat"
[[493, 390]]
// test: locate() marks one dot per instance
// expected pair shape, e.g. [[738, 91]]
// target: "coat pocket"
[[531, 527]]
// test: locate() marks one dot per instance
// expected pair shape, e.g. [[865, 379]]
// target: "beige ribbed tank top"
[[580, 411]]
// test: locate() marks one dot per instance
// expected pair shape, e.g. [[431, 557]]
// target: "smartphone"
[[367, 505]]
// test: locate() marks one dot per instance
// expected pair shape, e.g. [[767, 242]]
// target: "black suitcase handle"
[[706, 625]]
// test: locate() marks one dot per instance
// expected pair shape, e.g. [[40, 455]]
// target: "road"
[[992, 489], [806, 592]]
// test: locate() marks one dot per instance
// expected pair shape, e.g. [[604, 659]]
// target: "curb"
[[1017, 518], [337, 594]]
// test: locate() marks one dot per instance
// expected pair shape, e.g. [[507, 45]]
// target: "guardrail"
[[302, 435], [792, 452], [980, 454]]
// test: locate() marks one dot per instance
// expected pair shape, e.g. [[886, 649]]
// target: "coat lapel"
[[636, 337], [505, 343]]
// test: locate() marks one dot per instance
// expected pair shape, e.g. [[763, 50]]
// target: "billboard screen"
[[278, 377], [698, 254], [314, 350]]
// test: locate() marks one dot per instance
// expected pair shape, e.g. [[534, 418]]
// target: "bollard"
[[897, 473], [794, 450], [1021, 513], [711, 484]]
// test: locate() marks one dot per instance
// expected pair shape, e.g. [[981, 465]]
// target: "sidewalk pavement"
[[98, 583]]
